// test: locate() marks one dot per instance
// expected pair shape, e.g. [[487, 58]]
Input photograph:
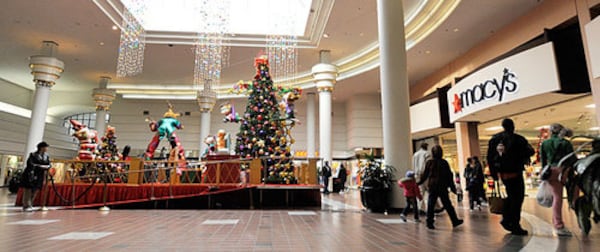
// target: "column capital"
[[206, 100], [45, 70], [324, 75], [104, 97]]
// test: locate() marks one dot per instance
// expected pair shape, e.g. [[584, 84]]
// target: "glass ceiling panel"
[[256, 17]]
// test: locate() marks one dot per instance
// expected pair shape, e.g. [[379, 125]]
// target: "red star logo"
[[457, 103]]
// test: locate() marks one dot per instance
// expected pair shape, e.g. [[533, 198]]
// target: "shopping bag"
[[544, 195], [496, 201]]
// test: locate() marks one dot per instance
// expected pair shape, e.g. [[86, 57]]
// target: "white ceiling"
[[475, 20], [88, 45]]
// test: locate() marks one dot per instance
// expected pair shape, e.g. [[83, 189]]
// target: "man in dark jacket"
[[326, 174], [33, 175], [439, 178], [507, 155]]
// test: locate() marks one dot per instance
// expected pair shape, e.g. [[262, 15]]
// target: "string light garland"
[[282, 51], [211, 55], [132, 44]]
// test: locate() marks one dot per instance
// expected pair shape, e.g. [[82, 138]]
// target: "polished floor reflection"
[[340, 225]]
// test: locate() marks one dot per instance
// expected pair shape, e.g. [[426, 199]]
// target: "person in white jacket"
[[419, 159]]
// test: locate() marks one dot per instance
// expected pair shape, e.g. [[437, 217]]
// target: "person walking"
[[33, 175], [474, 182], [326, 174], [419, 159], [479, 167], [439, 179], [507, 155], [552, 151], [343, 177], [411, 193]]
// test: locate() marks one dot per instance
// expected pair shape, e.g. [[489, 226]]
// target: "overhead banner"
[[526, 74], [592, 31]]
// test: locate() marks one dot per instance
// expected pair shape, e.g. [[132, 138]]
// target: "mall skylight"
[[252, 17]]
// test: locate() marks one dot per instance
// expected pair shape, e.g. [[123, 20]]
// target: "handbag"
[[496, 201], [544, 195]]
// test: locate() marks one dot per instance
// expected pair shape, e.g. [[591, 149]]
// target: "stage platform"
[[180, 196]]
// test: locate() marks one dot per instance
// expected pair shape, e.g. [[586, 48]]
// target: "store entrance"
[[577, 114]]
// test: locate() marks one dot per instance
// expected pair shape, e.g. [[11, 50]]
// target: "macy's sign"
[[488, 90]]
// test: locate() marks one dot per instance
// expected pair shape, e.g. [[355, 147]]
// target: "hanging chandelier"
[[283, 54], [282, 51], [211, 55], [132, 44]]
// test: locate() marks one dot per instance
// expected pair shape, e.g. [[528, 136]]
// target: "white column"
[[38, 116], [324, 75], [100, 122], [584, 18], [397, 145], [103, 97], [3, 169], [204, 129], [45, 70], [206, 99], [310, 125], [325, 124]]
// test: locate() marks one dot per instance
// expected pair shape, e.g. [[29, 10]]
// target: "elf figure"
[[165, 128]]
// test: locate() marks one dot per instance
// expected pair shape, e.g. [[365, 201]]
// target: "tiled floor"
[[340, 226]]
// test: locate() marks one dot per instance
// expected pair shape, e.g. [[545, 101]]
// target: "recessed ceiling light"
[[593, 105], [427, 52], [114, 27], [494, 128], [325, 35], [594, 128], [455, 30], [101, 43]]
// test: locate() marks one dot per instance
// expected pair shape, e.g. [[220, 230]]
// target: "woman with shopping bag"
[[552, 151]]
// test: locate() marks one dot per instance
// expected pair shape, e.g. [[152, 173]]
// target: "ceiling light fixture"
[[427, 52], [542, 127], [114, 27], [325, 35], [594, 128], [455, 30], [494, 128], [593, 105]]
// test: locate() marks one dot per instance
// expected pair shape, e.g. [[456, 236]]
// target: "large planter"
[[374, 199]]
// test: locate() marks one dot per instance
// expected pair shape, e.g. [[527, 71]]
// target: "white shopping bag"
[[544, 195]]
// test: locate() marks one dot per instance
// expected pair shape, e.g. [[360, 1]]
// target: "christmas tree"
[[109, 150], [264, 129]]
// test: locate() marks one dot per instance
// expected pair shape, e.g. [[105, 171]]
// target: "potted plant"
[[376, 184]]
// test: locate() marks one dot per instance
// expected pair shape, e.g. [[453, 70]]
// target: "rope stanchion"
[[74, 199], [44, 208], [104, 207]]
